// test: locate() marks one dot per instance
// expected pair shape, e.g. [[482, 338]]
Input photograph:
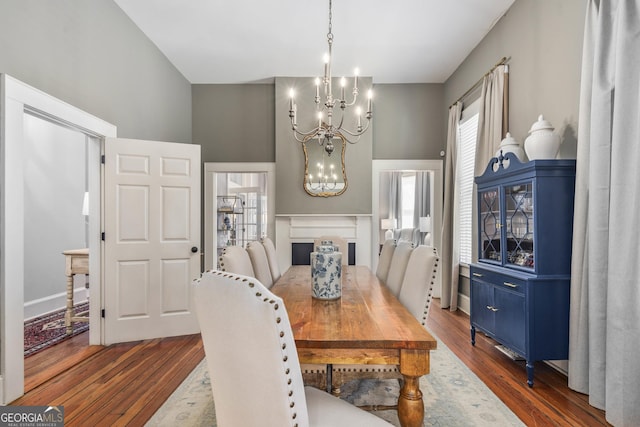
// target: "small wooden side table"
[[76, 262]]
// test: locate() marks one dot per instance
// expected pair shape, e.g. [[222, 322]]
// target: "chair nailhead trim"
[[285, 358]]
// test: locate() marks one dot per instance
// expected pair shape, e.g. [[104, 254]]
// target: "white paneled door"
[[151, 240]]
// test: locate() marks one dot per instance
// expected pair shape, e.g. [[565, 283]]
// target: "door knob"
[[194, 249]]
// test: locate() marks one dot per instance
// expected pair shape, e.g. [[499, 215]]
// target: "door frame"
[[379, 166], [211, 169], [17, 99]]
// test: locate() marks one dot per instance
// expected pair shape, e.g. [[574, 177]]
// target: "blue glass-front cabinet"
[[520, 284]]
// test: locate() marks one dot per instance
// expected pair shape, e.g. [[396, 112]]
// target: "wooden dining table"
[[367, 325]]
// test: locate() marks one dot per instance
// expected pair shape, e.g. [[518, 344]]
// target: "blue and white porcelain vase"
[[326, 272], [327, 246]]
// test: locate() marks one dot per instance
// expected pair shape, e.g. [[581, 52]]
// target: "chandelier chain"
[[330, 33]]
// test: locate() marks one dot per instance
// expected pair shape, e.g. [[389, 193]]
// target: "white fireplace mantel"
[[305, 228]]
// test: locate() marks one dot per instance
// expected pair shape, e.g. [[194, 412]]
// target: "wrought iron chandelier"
[[326, 131]]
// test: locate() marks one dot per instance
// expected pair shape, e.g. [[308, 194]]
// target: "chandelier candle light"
[[326, 131], [327, 180]]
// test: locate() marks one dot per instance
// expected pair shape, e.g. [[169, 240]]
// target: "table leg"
[[69, 312], [410, 404], [413, 364]]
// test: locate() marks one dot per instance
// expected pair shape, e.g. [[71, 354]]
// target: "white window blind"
[[467, 134]]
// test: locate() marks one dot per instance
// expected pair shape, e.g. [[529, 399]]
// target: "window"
[[467, 134], [408, 199]]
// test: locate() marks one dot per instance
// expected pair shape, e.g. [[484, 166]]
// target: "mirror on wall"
[[324, 174]]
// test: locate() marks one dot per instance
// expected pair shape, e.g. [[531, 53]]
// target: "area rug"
[[47, 330], [453, 397]]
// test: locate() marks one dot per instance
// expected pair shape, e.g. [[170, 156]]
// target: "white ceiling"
[[242, 41]]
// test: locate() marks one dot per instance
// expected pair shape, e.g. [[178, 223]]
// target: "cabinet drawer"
[[502, 281]]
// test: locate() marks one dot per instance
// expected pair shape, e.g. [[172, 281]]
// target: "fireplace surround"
[[295, 234]]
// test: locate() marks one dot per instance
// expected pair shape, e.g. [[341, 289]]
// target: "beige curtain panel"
[[493, 99], [450, 244]]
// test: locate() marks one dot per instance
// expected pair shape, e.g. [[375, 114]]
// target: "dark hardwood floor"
[[125, 384], [118, 385]]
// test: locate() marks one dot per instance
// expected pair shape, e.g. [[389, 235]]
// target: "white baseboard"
[[53, 303], [561, 366], [464, 303]]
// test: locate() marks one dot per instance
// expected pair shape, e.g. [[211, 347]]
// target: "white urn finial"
[[510, 145], [542, 143]]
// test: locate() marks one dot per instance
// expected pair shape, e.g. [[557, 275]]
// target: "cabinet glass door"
[[490, 225], [519, 225]]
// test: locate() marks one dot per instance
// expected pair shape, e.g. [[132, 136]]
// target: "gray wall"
[[54, 186], [544, 40], [89, 54], [237, 123], [234, 123], [409, 121]]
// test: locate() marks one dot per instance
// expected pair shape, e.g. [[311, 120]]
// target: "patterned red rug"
[[45, 331]]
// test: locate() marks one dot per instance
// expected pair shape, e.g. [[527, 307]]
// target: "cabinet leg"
[[473, 335], [530, 373]]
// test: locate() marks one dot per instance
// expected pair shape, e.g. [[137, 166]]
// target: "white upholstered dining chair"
[[253, 363], [398, 266], [415, 294], [235, 259], [272, 257], [419, 279], [260, 263], [384, 261]]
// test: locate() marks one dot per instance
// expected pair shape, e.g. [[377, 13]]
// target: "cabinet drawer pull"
[[477, 275], [492, 308], [511, 285]]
